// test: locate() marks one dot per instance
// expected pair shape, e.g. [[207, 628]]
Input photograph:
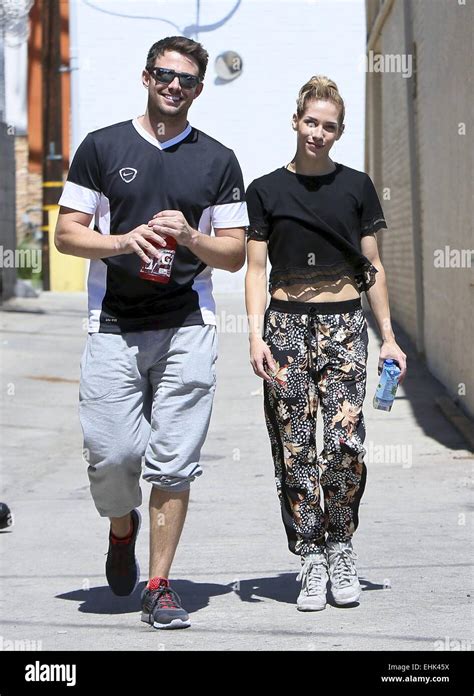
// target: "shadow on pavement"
[[422, 389], [282, 588], [100, 600], [197, 595]]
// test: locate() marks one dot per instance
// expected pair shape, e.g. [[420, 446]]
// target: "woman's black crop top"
[[314, 225]]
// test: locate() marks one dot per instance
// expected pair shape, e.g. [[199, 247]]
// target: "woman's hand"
[[391, 349], [261, 357]]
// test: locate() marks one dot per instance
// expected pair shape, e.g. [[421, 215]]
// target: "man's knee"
[[104, 458]]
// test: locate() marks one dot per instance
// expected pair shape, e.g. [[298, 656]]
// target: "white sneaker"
[[345, 585], [314, 578]]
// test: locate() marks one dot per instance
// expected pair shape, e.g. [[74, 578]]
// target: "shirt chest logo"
[[128, 174]]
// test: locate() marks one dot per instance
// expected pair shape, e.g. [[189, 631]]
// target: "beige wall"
[[442, 32], [397, 249], [445, 96]]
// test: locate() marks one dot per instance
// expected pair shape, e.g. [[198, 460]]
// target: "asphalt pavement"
[[233, 570]]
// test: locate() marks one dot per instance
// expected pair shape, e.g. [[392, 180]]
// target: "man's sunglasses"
[[167, 76]]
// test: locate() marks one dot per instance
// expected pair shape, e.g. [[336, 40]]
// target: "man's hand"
[[174, 223], [391, 349], [140, 241]]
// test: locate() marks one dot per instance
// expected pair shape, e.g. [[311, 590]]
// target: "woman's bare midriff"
[[343, 289]]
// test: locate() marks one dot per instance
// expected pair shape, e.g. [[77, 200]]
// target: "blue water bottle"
[[387, 386]]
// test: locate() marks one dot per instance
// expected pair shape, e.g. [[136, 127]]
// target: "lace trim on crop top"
[[364, 275]]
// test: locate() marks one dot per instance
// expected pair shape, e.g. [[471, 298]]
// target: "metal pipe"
[[377, 25]]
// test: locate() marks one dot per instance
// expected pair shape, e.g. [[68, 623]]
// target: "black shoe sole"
[[175, 623]]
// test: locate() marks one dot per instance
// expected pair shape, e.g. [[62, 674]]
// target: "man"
[[148, 369]]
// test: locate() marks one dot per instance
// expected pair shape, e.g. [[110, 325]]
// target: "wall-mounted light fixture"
[[228, 66]]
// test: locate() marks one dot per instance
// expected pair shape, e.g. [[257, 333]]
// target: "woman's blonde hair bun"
[[320, 87]]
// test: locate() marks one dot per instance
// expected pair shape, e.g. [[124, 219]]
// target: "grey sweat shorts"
[[145, 394]]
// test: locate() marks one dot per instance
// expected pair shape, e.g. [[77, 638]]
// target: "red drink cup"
[[159, 268]]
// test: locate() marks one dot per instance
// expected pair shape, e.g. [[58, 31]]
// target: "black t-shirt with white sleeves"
[[124, 176], [314, 224]]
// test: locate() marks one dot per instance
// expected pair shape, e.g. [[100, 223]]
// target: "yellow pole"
[[67, 273]]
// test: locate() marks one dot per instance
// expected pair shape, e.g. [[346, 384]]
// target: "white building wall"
[[281, 43]]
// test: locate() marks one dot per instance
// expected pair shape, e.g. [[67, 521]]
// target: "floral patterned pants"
[[320, 351]]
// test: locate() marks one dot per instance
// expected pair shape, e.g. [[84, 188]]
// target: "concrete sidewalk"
[[232, 570]]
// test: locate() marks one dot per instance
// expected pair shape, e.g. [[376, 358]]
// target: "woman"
[[316, 221]]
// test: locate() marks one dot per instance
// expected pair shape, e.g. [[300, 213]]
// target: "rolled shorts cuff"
[[118, 512], [171, 483]]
